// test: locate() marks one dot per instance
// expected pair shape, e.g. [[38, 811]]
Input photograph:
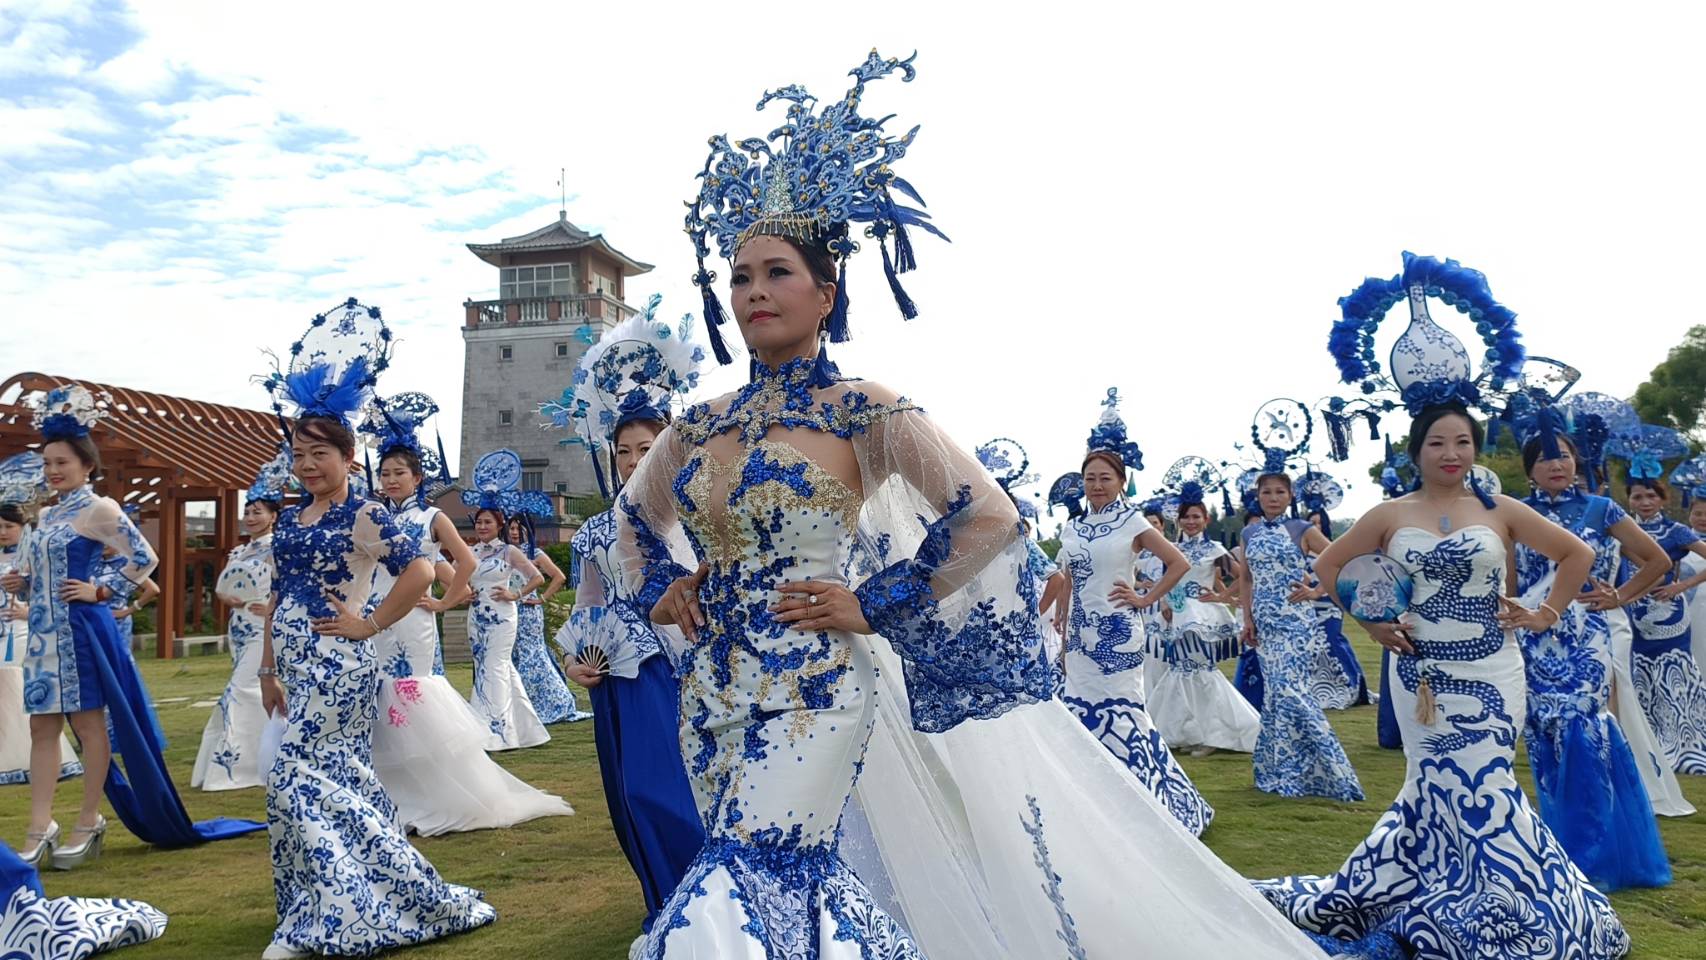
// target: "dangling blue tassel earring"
[[824, 372], [836, 323], [713, 312]]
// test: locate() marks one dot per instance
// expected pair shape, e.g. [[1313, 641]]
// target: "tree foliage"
[[1675, 392]]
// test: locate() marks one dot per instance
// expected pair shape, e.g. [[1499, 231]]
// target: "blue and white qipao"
[[1297, 753], [347, 881], [1585, 774], [14, 722], [498, 697], [774, 721], [1667, 678], [231, 741], [540, 676], [1105, 651], [1192, 703], [1460, 867]]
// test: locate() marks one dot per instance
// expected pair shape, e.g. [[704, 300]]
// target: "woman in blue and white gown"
[[1336, 678], [635, 720], [1193, 704], [229, 758], [1105, 638], [1297, 753], [35, 927], [429, 745], [1585, 775], [1460, 867], [125, 597], [493, 620], [14, 638], [1667, 678], [543, 680], [347, 881]]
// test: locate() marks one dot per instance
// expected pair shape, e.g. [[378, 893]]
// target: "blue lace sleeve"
[[1041, 566], [960, 606], [377, 535], [660, 568]]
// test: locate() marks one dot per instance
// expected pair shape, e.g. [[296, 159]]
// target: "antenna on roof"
[[563, 193]]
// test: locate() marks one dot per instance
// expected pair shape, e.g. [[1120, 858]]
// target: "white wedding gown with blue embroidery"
[[1460, 867], [231, 741]]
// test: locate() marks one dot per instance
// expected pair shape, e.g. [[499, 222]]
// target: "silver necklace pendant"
[[1444, 524]]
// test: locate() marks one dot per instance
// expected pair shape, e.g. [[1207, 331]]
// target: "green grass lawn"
[[563, 890]]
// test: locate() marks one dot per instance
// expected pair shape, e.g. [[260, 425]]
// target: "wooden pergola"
[[160, 453]]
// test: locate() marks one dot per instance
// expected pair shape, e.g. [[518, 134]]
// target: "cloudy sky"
[[1167, 198]]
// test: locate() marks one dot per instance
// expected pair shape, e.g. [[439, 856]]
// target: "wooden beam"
[[230, 511], [169, 614]]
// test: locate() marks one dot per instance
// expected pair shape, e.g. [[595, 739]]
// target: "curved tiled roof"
[[561, 235]]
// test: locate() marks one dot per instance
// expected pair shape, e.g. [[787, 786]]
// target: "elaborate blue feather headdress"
[[497, 486], [69, 412], [809, 180], [333, 368], [1594, 419], [1397, 473], [397, 424], [22, 480], [634, 372], [273, 480]]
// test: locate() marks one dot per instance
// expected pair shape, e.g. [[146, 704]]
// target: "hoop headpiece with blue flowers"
[[1428, 365], [497, 486], [809, 180], [634, 372], [333, 368], [1594, 419], [396, 423], [1010, 465], [69, 412]]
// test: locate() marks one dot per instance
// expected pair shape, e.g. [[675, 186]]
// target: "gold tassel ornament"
[[1425, 706]]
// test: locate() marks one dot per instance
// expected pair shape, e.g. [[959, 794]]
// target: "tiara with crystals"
[[634, 372], [69, 412], [809, 180]]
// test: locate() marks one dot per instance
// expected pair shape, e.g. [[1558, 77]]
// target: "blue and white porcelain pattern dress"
[[1105, 651], [35, 927], [347, 881], [1336, 678], [1667, 678], [1297, 753], [1192, 703], [540, 676], [636, 720], [498, 697], [1460, 867], [429, 745], [1585, 775], [774, 721], [231, 742], [59, 672], [14, 722]]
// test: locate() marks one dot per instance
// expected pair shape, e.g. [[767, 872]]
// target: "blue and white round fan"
[[1375, 588]]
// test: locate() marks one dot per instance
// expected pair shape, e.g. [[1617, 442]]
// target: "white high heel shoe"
[[278, 951], [45, 842], [75, 855]]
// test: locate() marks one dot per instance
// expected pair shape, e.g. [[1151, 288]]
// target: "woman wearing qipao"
[[1193, 703], [346, 879], [494, 616], [620, 402], [1667, 678], [21, 488], [1585, 775], [1460, 867], [543, 680], [1297, 753], [429, 746], [76, 665], [229, 758], [1105, 641]]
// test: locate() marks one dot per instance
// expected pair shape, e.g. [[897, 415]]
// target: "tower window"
[[562, 351], [532, 479], [506, 418], [551, 280], [506, 352]]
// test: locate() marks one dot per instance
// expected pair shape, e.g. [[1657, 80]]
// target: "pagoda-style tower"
[[559, 289]]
